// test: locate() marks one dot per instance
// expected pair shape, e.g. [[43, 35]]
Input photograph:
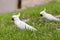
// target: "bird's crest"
[[44, 9], [18, 14]]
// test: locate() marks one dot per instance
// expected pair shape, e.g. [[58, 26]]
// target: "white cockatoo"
[[21, 24], [44, 14]]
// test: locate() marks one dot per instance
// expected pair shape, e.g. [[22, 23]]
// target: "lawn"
[[46, 28]]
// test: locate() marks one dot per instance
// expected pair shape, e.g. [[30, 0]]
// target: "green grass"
[[46, 29]]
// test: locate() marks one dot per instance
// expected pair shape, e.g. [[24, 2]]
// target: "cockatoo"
[[21, 24], [44, 14]]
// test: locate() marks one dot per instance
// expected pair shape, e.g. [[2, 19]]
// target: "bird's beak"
[[41, 15], [12, 19]]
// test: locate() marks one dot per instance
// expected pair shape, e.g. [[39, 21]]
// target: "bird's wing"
[[25, 25], [51, 16]]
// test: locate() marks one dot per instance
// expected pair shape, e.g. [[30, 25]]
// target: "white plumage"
[[48, 16], [21, 24]]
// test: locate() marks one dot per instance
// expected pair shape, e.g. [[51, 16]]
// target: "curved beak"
[[41, 15], [12, 19]]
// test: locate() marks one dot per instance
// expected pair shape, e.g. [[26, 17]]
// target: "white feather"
[[21, 24], [49, 16]]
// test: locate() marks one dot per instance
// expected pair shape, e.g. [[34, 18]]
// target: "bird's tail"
[[57, 19], [31, 28]]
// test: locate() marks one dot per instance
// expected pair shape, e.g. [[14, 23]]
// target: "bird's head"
[[43, 12], [15, 17]]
